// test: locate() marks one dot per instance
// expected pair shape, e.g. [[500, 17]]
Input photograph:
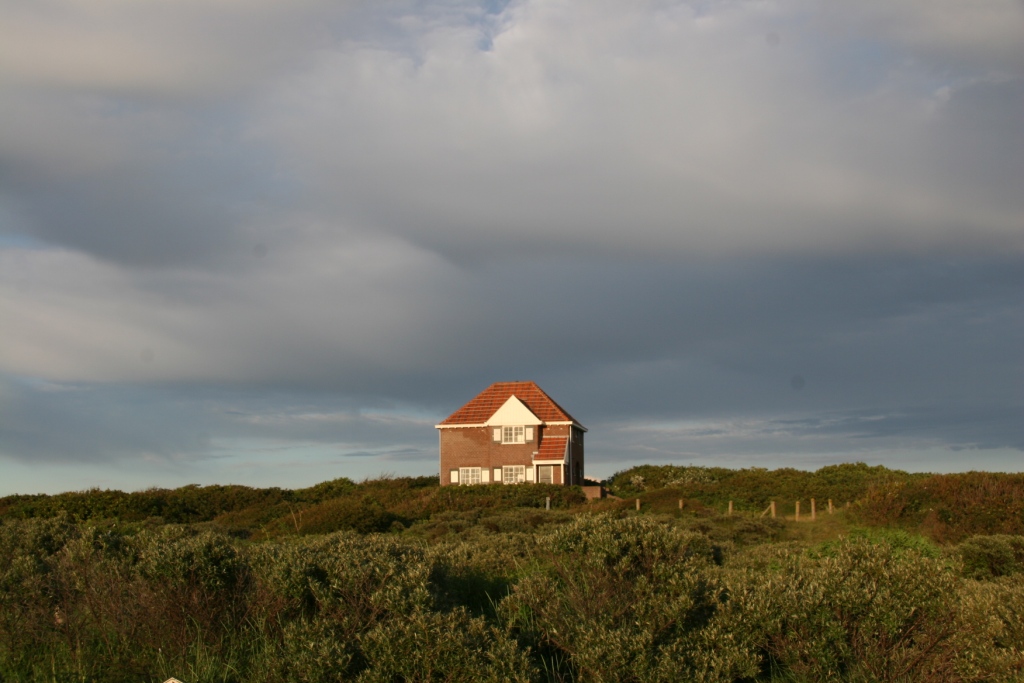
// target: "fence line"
[[771, 510]]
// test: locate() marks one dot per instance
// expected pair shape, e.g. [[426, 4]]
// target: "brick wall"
[[475, 447]]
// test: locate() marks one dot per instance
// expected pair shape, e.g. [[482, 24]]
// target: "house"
[[511, 433]]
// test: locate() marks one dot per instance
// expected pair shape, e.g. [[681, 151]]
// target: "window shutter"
[[454, 474], [497, 433], [529, 473], [529, 434], [485, 476], [498, 479]]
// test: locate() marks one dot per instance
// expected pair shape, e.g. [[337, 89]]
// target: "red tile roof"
[[493, 397], [551, 448]]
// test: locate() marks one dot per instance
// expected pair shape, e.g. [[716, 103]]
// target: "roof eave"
[[560, 423]]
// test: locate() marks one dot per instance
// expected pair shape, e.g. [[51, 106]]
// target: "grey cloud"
[[178, 50], [983, 427], [46, 423], [85, 423], [692, 143], [613, 341], [637, 132], [655, 212], [133, 184]]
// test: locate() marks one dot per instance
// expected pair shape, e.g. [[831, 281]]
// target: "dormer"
[[513, 423]]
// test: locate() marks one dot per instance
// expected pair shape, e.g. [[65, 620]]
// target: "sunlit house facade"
[[511, 433]]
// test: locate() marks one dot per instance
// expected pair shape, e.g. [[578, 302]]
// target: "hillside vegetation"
[[920, 578]]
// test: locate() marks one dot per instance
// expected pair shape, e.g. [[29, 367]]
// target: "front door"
[[546, 474]]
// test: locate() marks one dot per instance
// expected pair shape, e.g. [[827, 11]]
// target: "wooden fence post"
[[680, 503], [773, 509], [730, 508], [638, 505], [830, 506], [798, 511], [814, 510], [547, 503]]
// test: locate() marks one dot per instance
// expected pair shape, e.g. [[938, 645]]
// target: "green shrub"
[[626, 599], [442, 646], [986, 557], [949, 507], [751, 489], [898, 540], [990, 640], [862, 612], [358, 514], [179, 557]]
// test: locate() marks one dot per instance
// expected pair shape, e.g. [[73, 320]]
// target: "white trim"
[[484, 424], [549, 462]]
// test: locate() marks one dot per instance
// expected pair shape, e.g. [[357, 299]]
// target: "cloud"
[[317, 214], [616, 341], [159, 134], [621, 129], [163, 48]]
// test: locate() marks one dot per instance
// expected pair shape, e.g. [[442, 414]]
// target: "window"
[[513, 474], [546, 474], [469, 475], [513, 435]]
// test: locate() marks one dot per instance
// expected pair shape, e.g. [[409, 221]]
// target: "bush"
[[626, 599], [949, 507], [358, 514], [862, 612], [443, 646], [753, 488], [987, 557]]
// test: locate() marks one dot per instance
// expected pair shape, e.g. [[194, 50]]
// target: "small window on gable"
[[513, 435]]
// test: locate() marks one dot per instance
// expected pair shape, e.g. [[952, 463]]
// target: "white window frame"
[[543, 469], [469, 476], [513, 474], [513, 434]]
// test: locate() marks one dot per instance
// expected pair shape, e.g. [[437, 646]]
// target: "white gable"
[[514, 412]]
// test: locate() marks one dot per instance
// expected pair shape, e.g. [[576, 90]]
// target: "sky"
[[274, 243]]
